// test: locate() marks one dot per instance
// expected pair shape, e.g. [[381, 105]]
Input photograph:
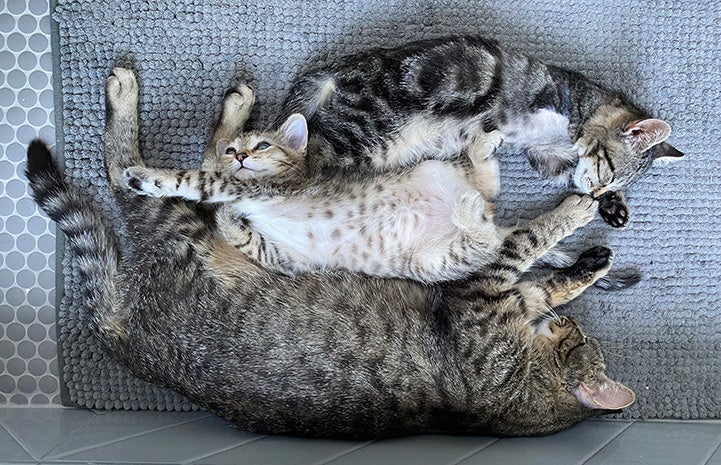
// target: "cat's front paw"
[[613, 209], [139, 180], [121, 91], [578, 208]]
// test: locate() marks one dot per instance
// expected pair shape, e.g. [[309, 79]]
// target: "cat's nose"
[[241, 156]]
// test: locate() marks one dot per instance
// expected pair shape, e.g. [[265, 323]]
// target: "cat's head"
[[258, 154], [616, 146], [577, 371]]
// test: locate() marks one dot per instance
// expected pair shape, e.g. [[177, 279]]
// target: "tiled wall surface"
[[28, 356]]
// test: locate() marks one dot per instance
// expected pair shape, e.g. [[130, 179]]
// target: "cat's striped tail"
[[88, 236]]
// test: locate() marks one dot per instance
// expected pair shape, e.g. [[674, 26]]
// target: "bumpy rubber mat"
[[662, 337]]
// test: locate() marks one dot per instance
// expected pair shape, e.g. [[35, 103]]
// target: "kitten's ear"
[[666, 152], [221, 146], [645, 133], [604, 394], [295, 131]]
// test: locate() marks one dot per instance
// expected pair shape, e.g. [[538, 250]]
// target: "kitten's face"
[[616, 147], [256, 155], [580, 371]]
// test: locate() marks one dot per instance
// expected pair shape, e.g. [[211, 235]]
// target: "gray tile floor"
[[72, 436]]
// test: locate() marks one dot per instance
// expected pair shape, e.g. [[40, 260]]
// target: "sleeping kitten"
[[389, 108], [431, 222], [327, 355]]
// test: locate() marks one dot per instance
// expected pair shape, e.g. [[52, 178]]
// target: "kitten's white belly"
[[382, 232]]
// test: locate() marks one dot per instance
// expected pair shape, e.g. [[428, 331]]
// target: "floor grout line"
[[224, 449], [472, 453], [48, 454], [712, 451], [610, 440], [345, 452], [116, 440], [22, 446]]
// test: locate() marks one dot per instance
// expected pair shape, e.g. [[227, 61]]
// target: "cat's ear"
[[221, 146], [645, 133], [666, 152], [295, 131], [604, 394]]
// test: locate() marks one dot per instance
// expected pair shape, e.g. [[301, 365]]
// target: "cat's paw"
[[121, 91], [238, 102], [596, 259], [579, 208], [613, 209], [139, 180]]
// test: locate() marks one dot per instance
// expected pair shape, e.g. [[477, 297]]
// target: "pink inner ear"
[[607, 395], [646, 133]]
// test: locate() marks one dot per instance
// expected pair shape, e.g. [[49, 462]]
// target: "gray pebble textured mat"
[[662, 337]]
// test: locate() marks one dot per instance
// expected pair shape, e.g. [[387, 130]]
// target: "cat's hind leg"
[[469, 215], [121, 126], [237, 106]]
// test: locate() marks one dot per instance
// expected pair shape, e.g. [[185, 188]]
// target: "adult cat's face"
[[616, 147], [580, 370], [258, 154]]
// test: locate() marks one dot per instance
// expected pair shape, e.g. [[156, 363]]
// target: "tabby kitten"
[[332, 355], [388, 108], [432, 222]]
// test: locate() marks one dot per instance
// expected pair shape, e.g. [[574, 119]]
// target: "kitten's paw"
[[580, 208], [596, 259], [121, 91], [238, 102], [139, 180], [613, 209]]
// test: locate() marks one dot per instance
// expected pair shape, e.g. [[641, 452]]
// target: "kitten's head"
[[616, 146], [578, 372], [258, 154]]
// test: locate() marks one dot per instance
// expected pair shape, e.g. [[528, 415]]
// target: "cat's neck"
[[578, 98]]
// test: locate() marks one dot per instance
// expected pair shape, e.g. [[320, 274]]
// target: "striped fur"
[[329, 355], [387, 108]]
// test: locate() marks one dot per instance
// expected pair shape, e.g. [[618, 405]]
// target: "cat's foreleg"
[[553, 163], [523, 246], [237, 105], [565, 285]]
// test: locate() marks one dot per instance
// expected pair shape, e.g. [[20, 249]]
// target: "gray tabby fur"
[[328, 355], [387, 108]]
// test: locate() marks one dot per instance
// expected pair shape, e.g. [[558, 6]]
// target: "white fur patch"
[[426, 137], [544, 127]]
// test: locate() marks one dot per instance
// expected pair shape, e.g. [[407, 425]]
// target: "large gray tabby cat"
[[393, 107], [328, 355]]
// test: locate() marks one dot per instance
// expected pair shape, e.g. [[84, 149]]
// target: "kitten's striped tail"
[[88, 235]]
